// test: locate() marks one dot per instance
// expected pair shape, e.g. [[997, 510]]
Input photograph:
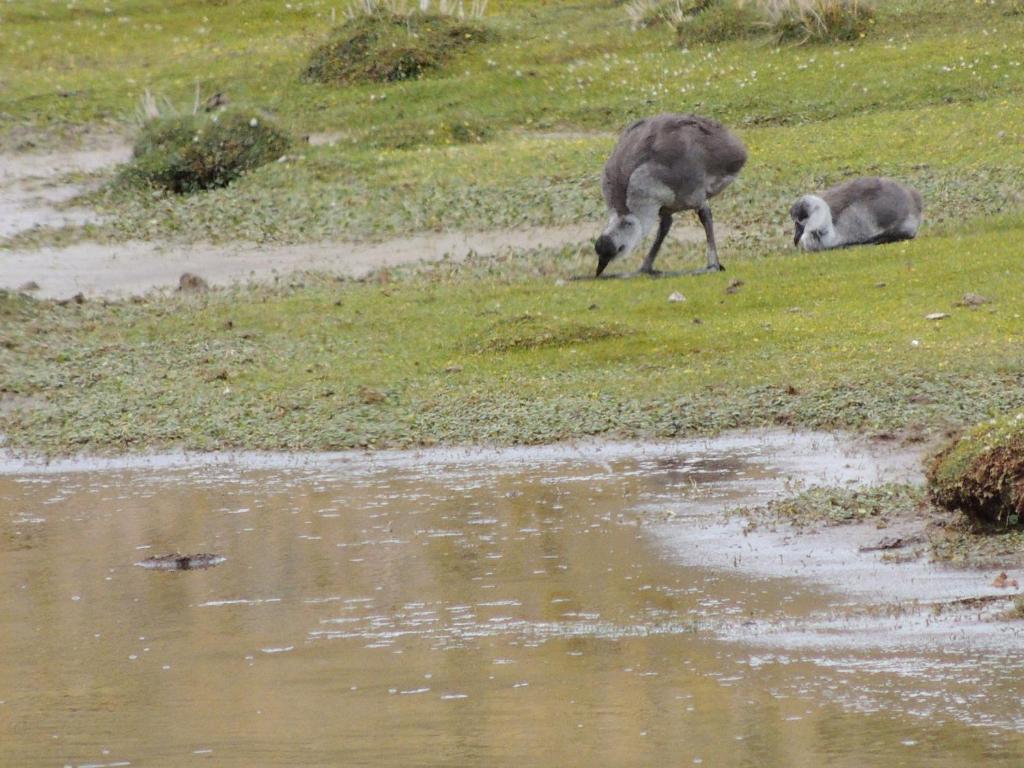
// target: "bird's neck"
[[820, 232]]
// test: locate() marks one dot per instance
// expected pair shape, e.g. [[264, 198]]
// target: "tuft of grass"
[[455, 8], [824, 21], [650, 13], [190, 153], [385, 46], [799, 21], [720, 21], [982, 472]]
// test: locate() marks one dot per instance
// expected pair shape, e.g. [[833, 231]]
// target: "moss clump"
[[189, 153], [982, 473], [386, 47]]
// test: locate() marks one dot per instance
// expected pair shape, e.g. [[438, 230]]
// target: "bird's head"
[[810, 215], [620, 237]]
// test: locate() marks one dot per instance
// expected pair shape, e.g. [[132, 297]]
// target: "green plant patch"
[[821, 21], [793, 21], [720, 21], [832, 340], [385, 47], [825, 505], [189, 153], [982, 472], [532, 331]]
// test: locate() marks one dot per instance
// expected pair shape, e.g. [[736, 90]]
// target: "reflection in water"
[[514, 612]]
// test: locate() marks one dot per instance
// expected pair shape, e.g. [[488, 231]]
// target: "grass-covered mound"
[[795, 21], [386, 47], [189, 153], [982, 473]]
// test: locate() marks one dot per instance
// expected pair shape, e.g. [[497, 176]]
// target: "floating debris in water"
[[179, 562]]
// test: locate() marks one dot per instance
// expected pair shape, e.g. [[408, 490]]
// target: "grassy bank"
[[503, 353], [496, 351], [932, 95]]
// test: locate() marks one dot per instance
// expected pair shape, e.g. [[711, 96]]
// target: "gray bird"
[[857, 212], [662, 165]]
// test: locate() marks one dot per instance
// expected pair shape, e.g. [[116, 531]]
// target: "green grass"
[[513, 133], [502, 353], [471, 146]]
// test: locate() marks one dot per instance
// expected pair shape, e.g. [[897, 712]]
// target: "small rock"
[[734, 285], [189, 283], [972, 300], [1002, 581], [937, 316], [28, 287], [915, 343], [675, 297]]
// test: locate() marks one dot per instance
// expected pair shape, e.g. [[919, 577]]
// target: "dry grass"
[[818, 20], [650, 13], [799, 21], [455, 8]]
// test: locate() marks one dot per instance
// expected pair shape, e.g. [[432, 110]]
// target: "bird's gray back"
[[887, 202], [694, 156]]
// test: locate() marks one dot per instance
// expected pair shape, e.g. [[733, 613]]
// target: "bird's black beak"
[[605, 253], [798, 234]]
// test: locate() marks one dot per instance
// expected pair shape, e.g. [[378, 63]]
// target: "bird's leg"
[[704, 214], [664, 225]]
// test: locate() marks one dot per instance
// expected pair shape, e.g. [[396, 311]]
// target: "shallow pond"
[[544, 607]]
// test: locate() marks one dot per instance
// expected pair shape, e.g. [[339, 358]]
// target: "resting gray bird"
[[860, 211], [662, 165]]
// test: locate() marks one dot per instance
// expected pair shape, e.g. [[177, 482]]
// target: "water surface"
[[537, 608]]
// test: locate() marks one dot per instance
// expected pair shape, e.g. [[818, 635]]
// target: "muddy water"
[[540, 608]]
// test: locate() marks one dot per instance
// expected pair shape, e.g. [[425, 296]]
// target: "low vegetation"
[[924, 530], [824, 505], [720, 21], [497, 351], [787, 21], [386, 44], [512, 133], [982, 472], [821, 21], [194, 152]]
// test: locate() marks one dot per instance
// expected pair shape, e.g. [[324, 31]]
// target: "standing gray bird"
[[857, 212], [662, 165]]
